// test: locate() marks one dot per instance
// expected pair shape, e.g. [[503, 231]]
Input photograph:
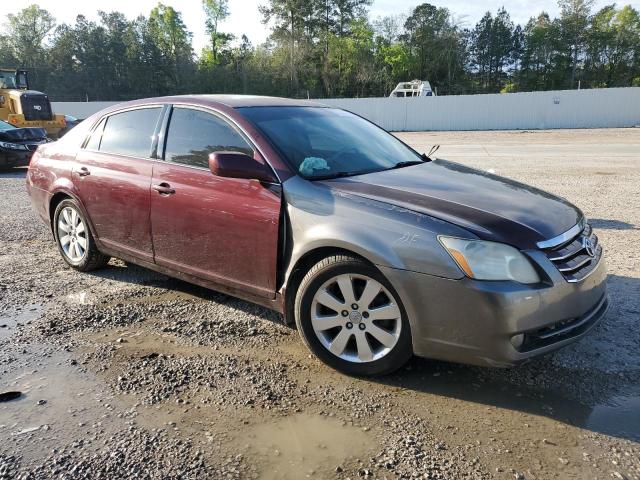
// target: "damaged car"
[[18, 144], [374, 251]]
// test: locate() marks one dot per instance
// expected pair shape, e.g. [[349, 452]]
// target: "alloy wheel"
[[72, 234], [356, 318]]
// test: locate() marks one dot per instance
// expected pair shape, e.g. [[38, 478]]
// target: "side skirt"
[[276, 303]]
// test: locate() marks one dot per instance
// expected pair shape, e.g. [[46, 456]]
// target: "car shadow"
[[593, 384], [611, 224], [600, 391], [134, 274]]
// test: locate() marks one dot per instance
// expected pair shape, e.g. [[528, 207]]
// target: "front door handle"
[[83, 172], [164, 189]]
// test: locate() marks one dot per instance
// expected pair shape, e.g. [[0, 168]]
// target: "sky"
[[245, 19]]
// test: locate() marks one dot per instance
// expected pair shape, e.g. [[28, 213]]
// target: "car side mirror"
[[239, 165]]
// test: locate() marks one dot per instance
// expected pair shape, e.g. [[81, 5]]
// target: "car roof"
[[231, 101]]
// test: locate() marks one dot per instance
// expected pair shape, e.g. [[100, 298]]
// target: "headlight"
[[490, 260], [13, 146]]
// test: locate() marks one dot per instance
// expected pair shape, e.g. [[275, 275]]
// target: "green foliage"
[[436, 46], [509, 88], [321, 48], [215, 12], [26, 32]]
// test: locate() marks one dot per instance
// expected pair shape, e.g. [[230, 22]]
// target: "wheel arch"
[[300, 268], [60, 195], [55, 200]]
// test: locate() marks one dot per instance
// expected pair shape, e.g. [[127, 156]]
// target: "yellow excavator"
[[24, 108]]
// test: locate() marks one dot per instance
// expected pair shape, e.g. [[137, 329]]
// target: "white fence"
[[597, 108], [80, 109]]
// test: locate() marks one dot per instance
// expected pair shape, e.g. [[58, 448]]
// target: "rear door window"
[[194, 134], [130, 133]]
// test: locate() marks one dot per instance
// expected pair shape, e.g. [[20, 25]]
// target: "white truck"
[[414, 88]]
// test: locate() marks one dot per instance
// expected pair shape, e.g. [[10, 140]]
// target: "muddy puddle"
[[58, 401], [137, 342], [303, 445], [9, 321], [618, 417], [616, 413]]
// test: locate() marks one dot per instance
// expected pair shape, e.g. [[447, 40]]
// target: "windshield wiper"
[[329, 176], [334, 175], [427, 156], [406, 164]]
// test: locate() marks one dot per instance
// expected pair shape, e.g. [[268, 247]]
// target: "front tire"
[[74, 240], [350, 317]]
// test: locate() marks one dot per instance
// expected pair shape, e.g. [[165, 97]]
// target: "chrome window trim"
[[563, 237], [194, 167]]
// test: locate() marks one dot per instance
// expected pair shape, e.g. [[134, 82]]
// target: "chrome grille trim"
[[575, 257], [569, 250], [573, 268], [563, 237]]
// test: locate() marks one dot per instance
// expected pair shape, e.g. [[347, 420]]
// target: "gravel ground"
[[127, 373]]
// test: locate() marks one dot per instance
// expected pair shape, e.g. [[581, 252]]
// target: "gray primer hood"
[[491, 207]]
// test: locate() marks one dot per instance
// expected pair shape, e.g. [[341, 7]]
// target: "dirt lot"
[[126, 373]]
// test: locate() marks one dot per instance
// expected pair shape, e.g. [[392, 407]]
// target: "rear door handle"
[[83, 171], [164, 189]]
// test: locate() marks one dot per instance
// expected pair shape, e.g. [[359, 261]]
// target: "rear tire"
[[74, 240], [351, 318]]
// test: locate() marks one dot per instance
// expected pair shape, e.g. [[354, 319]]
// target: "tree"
[[215, 11], [613, 46], [436, 46], [290, 18], [26, 32], [389, 28], [493, 49], [539, 53], [323, 48], [169, 34], [574, 20]]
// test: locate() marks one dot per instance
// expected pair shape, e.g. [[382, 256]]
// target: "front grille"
[[36, 106], [577, 257]]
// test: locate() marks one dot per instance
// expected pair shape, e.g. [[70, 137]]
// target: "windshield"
[[8, 80], [323, 142]]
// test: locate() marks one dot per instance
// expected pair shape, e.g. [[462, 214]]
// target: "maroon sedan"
[[375, 251]]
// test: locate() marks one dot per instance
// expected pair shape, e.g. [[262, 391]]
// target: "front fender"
[[384, 234]]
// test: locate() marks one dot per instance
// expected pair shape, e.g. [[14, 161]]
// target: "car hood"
[[23, 135], [491, 207]]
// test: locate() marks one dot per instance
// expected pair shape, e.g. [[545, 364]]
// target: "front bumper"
[[471, 321]]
